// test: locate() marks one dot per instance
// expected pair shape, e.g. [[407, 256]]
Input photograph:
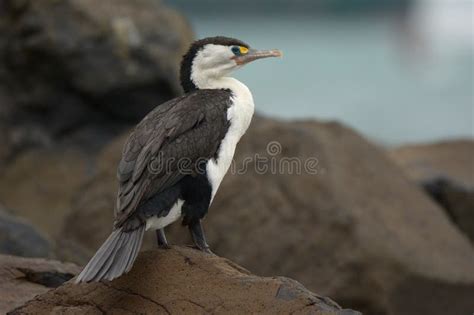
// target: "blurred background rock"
[[384, 226]]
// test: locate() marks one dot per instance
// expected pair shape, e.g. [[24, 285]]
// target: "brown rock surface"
[[453, 160], [358, 230], [40, 185], [21, 279], [184, 281], [446, 172]]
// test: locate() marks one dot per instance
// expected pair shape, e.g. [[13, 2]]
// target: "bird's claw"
[[204, 249]]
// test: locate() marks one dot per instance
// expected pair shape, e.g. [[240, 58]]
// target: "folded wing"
[[166, 146]]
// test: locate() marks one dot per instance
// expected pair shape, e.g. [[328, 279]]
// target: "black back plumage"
[[190, 127]]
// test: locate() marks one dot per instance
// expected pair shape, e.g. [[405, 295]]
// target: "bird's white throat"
[[239, 115]]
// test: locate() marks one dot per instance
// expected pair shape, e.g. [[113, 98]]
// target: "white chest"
[[239, 115]]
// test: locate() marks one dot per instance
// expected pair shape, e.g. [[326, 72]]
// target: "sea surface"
[[392, 85]]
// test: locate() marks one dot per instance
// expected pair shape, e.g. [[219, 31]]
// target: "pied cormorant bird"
[[176, 157]]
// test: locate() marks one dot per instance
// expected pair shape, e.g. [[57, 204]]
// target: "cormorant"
[[176, 157]]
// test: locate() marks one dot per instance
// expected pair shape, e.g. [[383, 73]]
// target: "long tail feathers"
[[115, 257]]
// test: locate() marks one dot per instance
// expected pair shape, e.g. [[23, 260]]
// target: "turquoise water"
[[354, 70]]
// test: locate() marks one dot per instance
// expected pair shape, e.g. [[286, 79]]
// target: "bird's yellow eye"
[[243, 50], [239, 50]]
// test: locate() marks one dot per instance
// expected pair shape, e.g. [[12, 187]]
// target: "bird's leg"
[[161, 238], [197, 234]]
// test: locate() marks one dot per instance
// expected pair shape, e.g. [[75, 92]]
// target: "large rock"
[[21, 279], [446, 171], [40, 185], [184, 281], [450, 160], [81, 70], [19, 238], [350, 225]]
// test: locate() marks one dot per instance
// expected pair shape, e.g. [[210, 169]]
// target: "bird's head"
[[215, 57]]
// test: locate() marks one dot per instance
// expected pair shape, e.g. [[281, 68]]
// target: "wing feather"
[[190, 126]]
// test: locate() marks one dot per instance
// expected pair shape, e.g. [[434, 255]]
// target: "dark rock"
[[75, 68], [49, 279], [184, 281], [458, 201], [19, 238], [354, 228], [446, 171], [21, 279]]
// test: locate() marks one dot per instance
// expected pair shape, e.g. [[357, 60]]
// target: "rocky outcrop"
[[347, 224], [184, 281], [21, 279], [446, 171], [79, 71], [19, 238]]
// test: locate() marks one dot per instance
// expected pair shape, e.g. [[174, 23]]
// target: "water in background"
[[384, 76]]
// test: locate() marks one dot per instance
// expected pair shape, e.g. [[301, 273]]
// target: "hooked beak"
[[254, 54]]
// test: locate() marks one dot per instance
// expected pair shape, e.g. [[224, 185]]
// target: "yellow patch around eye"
[[243, 50]]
